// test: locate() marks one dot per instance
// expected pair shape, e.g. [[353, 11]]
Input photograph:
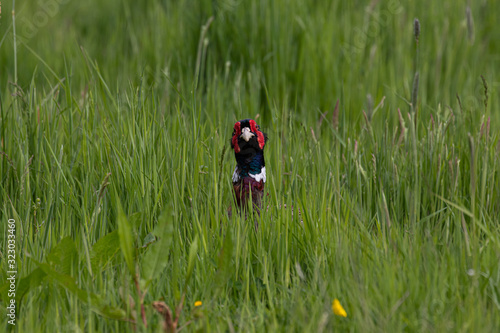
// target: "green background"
[[115, 163]]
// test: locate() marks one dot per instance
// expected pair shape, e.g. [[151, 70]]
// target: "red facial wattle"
[[260, 135], [234, 140]]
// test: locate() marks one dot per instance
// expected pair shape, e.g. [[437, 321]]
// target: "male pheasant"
[[249, 175]]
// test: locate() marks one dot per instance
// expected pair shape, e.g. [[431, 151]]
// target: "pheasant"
[[249, 175]]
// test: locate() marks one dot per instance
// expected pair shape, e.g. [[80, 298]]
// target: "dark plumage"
[[250, 173]]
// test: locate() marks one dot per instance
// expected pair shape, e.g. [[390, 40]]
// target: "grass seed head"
[[416, 29], [470, 25]]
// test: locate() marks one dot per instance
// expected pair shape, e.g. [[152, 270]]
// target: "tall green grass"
[[115, 164]]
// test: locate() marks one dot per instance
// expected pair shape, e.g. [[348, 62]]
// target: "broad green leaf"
[[27, 283], [32, 280], [68, 282], [156, 258], [4, 290], [224, 262], [63, 256], [192, 257], [104, 250], [126, 239]]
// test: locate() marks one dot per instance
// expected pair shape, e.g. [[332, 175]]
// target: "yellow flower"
[[198, 303], [338, 309]]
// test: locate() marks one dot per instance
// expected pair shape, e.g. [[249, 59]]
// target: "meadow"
[[115, 165]]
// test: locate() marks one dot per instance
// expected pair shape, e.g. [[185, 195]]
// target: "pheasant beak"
[[246, 134]]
